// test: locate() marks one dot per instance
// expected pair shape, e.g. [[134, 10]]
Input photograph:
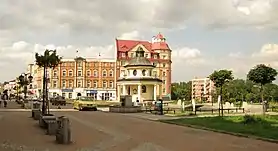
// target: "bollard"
[[63, 135]]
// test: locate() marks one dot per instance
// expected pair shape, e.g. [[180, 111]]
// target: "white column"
[[154, 92], [139, 92], [118, 92], [124, 90]]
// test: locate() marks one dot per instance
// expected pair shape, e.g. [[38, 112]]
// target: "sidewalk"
[[20, 132]]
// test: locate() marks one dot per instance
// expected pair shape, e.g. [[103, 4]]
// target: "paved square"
[[99, 131]]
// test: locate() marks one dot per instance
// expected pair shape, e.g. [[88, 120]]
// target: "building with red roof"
[[156, 51]]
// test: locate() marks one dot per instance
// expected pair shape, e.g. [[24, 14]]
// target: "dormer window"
[[123, 54], [155, 56]]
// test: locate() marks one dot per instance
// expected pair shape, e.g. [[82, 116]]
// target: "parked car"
[[58, 100], [85, 103]]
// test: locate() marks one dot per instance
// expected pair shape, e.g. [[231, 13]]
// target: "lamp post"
[[24, 81]]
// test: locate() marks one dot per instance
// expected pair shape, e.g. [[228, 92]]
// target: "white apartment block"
[[202, 89]]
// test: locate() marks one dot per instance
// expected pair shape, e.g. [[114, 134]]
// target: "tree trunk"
[[262, 99], [222, 112], [43, 89]]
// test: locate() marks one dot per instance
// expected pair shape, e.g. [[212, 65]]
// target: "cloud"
[[133, 35], [91, 26]]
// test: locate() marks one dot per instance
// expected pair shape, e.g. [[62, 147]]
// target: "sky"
[[204, 35]]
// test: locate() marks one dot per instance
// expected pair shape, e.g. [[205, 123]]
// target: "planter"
[[43, 118], [36, 114]]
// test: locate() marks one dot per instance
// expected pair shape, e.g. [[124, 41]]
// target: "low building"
[[202, 89]]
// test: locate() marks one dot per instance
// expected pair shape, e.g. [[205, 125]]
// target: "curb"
[[223, 132]]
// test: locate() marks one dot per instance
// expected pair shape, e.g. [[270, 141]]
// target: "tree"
[[181, 90], [220, 78], [262, 75], [49, 59]]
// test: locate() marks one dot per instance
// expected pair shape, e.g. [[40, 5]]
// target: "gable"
[[137, 46]]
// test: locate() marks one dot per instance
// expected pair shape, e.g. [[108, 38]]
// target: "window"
[[95, 84], [144, 72], [164, 90], [88, 73], [134, 72], [164, 57], [123, 54], [79, 64], [95, 73], [164, 65], [70, 73], [88, 84], [79, 84], [55, 73], [155, 56], [131, 55], [104, 73], [164, 73], [144, 89], [54, 84], [111, 73], [79, 73], [64, 83], [63, 94], [70, 95], [154, 73], [64, 73], [111, 84], [146, 55], [71, 84], [104, 84]]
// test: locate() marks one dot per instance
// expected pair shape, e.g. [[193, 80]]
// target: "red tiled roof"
[[160, 45], [159, 36], [126, 45]]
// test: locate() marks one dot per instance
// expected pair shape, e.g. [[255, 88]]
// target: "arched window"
[[134, 72], [104, 84], [144, 89], [95, 73], [104, 73], [55, 73], [88, 73], [70, 73], [64, 72], [144, 72], [111, 73]]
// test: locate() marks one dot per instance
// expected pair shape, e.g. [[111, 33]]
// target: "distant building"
[[202, 89]]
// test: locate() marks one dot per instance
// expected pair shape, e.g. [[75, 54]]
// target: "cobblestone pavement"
[[100, 131]]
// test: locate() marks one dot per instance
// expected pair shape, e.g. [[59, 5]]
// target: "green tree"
[[262, 75], [220, 78], [181, 90], [49, 59]]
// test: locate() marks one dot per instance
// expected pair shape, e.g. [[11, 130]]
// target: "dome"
[[139, 60]]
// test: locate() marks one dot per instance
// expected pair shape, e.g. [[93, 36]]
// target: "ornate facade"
[[157, 52]]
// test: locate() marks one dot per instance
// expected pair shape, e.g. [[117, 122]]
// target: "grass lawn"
[[266, 127]]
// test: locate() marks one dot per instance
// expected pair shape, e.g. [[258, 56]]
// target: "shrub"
[[250, 119]]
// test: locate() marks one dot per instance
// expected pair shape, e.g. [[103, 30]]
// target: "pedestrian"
[[5, 98]]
